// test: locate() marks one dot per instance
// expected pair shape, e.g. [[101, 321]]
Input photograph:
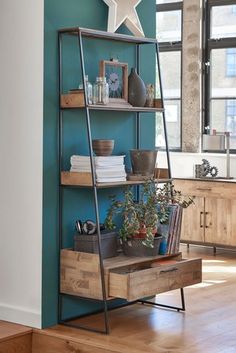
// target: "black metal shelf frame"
[[80, 33]]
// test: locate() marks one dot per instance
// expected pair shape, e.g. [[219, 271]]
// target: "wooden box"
[[74, 178], [73, 100], [80, 274], [157, 103]]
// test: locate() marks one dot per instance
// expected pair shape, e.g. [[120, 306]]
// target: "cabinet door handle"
[[170, 270], [201, 223], [204, 189], [206, 226]]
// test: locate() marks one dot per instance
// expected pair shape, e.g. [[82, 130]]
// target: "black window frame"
[[174, 46], [210, 44]]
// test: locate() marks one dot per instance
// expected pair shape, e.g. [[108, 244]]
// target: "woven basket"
[[135, 247]]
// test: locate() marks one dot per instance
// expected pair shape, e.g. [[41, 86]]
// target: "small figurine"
[[150, 95]]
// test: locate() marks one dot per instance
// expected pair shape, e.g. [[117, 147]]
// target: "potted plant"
[[139, 220], [139, 229]]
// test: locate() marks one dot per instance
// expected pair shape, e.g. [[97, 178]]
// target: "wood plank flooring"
[[207, 326], [15, 338]]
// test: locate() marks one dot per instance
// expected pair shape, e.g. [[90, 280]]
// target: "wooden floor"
[[207, 326], [15, 338]]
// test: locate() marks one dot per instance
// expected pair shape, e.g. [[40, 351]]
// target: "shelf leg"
[[106, 323], [182, 308]]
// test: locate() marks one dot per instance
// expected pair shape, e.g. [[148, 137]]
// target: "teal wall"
[[118, 126]]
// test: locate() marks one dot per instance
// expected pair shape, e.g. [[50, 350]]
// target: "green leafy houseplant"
[[167, 196], [140, 219]]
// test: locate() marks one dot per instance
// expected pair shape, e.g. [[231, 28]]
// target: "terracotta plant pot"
[[141, 234], [143, 162], [103, 147]]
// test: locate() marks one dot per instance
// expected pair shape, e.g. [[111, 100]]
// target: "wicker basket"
[[135, 247]]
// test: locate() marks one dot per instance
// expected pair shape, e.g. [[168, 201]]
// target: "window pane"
[[167, 1], [168, 26], [223, 118], [173, 121], [223, 21], [223, 72], [171, 73]]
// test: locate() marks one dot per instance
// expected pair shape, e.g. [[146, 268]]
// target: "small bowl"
[[103, 147]]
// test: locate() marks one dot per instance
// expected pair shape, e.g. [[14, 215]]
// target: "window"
[[231, 62], [169, 35], [231, 117], [220, 69]]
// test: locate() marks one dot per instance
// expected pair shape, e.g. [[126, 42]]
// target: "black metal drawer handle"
[[170, 270]]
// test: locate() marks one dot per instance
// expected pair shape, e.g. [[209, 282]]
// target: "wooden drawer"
[[217, 188], [142, 280]]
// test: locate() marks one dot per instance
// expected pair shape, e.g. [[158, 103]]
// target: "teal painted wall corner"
[[89, 14]]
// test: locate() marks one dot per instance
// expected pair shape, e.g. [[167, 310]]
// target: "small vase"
[[137, 90]]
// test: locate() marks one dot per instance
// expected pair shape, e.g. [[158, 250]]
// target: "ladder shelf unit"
[[108, 272]]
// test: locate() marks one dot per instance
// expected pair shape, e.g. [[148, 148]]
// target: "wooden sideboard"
[[211, 220]]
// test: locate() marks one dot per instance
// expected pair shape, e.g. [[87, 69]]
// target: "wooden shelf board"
[[114, 185], [118, 108], [69, 179], [90, 33], [125, 108]]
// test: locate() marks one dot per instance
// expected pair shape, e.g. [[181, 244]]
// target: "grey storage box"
[[89, 244]]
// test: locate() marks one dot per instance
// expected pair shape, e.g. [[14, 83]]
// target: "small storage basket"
[[89, 244]]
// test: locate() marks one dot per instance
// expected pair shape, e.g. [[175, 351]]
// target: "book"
[[112, 170], [99, 160], [111, 174], [111, 180]]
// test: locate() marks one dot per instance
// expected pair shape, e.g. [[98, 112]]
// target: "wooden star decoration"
[[124, 11]]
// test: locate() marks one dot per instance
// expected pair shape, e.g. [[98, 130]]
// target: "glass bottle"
[[101, 91], [89, 89]]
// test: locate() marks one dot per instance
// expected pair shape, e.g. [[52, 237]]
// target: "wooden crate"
[[74, 178], [157, 103], [144, 280], [80, 274], [72, 100]]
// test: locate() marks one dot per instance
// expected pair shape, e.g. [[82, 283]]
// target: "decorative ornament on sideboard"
[[124, 12]]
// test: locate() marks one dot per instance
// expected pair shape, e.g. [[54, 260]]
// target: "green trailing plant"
[[142, 217], [167, 195]]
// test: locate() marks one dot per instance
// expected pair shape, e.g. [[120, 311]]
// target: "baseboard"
[[20, 316]]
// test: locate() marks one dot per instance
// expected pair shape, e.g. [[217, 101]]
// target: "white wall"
[[21, 131], [182, 164]]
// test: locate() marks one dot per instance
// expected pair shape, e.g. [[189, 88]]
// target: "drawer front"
[[157, 279], [218, 189]]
